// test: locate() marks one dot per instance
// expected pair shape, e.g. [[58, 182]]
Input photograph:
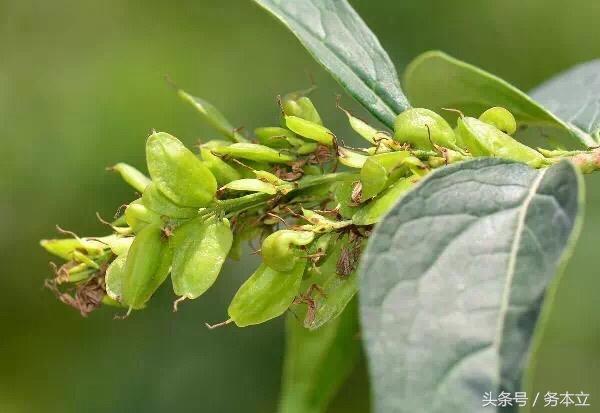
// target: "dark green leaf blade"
[[574, 95], [317, 362], [340, 40], [453, 280], [435, 80]]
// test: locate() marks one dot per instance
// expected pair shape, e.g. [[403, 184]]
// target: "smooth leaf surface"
[[435, 80], [317, 362], [340, 40], [574, 95], [453, 280]]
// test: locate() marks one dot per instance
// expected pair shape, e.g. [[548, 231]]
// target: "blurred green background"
[[81, 84]]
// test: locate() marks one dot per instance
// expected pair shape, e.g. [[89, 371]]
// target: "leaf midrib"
[[511, 268]]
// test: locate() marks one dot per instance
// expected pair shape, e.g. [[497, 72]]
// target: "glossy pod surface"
[[178, 173], [265, 295], [279, 250], [146, 267], [421, 127], [200, 248], [482, 139]]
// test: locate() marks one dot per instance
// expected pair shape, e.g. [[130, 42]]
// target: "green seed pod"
[[66, 247], [269, 178], [146, 267], [199, 251], [251, 185], [343, 196], [319, 224], [62, 248], [278, 138], [155, 201], [132, 176], [137, 216], [361, 127], [378, 171], [295, 104], [120, 245], [373, 211], [212, 116], [310, 130], [414, 126], [214, 143], [501, 118], [350, 158], [306, 148], [254, 152], [115, 273], [336, 290], [279, 249], [482, 139], [265, 295], [308, 110], [178, 173], [222, 171]]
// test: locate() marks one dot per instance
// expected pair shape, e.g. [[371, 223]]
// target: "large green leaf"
[[317, 362], [435, 80], [574, 95], [340, 40], [453, 280]]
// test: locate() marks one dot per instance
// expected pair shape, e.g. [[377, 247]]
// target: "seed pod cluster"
[[305, 203]]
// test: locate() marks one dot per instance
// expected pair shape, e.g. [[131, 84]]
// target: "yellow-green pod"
[[215, 143], [361, 127], [255, 152], [265, 295], [251, 185], [310, 130], [269, 177], [421, 127], [278, 138], [62, 248], [375, 173], [222, 171], [200, 248], [297, 104], [155, 201], [336, 290], [306, 148], [115, 273], [373, 211], [213, 116], [350, 158], [132, 176], [308, 110], [146, 267], [279, 250], [137, 215], [483, 139], [120, 245], [178, 173], [501, 118], [343, 196]]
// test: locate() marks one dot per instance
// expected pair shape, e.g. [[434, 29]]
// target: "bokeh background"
[[81, 84]]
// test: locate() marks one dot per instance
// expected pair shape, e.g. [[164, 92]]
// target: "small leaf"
[[453, 280], [435, 80], [340, 40], [318, 362], [574, 95]]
